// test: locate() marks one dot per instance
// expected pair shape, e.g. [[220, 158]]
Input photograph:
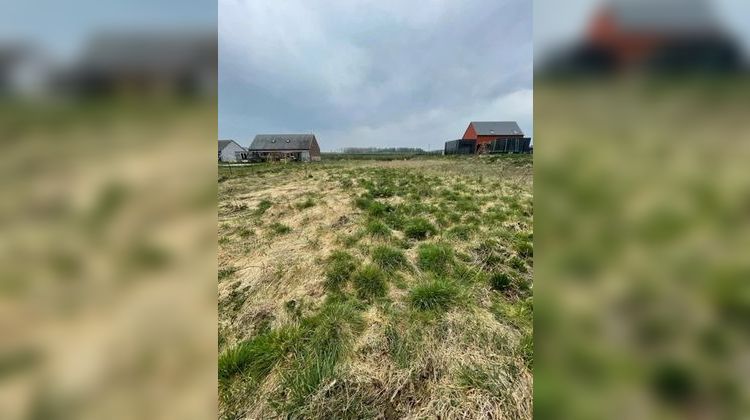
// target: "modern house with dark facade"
[[483, 137], [460, 147], [297, 147]]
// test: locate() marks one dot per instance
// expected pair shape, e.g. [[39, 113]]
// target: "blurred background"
[[642, 209], [107, 212]]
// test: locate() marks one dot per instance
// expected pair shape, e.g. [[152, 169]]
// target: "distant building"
[[654, 35], [230, 151], [496, 137], [165, 64], [24, 71], [299, 147]]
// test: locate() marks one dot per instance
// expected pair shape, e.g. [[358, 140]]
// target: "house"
[[170, 63], [25, 71], [496, 137], [230, 151], [655, 35], [298, 147], [460, 147]]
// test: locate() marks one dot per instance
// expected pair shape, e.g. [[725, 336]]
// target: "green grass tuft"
[[437, 258], [461, 232], [436, 295], [245, 232], [524, 249], [305, 204], [326, 338], [517, 264], [377, 228], [226, 272], [370, 282], [419, 228], [255, 358], [363, 202], [378, 209], [262, 207], [279, 228], [340, 267], [501, 282], [389, 258]]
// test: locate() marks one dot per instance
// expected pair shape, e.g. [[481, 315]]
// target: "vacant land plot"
[[397, 289]]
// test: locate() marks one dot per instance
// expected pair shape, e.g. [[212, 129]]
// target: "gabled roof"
[[224, 143], [489, 128], [283, 142], [157, 52]]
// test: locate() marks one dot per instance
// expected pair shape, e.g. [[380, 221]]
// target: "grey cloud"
[[372, 72]]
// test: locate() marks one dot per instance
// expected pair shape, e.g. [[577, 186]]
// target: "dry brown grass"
[[461, 362]]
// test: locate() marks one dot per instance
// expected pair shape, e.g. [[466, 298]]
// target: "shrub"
[[419, 228], [438, 294], [389, 258], [340, 266], [437, 258], [369, 281], [377, 228]]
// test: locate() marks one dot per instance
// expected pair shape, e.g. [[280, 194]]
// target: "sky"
[[63, 28], [380, 73]]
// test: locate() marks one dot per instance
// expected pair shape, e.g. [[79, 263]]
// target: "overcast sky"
[[373, 72], [62, 28]]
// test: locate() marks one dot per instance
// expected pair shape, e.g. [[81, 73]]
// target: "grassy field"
[[371, 289]]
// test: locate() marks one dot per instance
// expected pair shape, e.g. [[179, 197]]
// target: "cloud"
[[372, 73]]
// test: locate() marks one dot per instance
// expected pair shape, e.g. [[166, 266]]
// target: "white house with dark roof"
[[229, 151]]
